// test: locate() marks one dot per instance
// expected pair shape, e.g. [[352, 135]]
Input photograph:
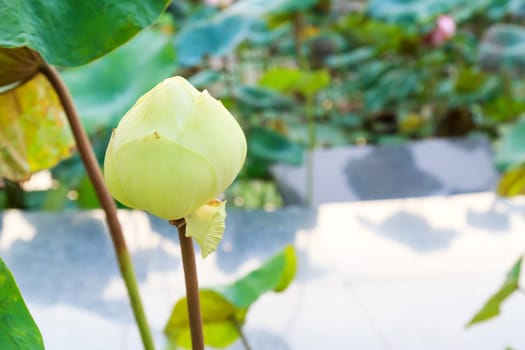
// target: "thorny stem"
[[192, 285], [106, 202]]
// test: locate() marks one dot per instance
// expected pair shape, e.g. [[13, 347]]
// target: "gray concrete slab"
[[419, 168], [389, 274]]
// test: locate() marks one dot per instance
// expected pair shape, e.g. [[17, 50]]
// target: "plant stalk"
[[298, 33], [310, 120], [298, 30], [192, 285], [106, 202], [244, 339]]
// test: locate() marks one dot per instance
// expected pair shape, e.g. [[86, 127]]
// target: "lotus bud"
[[445, 30], [174, 152]]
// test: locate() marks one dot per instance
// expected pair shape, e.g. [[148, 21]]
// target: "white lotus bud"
[[174, 151]]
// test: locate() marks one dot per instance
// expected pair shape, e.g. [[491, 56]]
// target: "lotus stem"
[[192, 285], [106, 202], [302, 61], [310, 117]]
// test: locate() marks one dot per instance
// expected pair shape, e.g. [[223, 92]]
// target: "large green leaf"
[[510, 150], [470, 85], [503, 47], [286, 80], [350, 59], [210, 33], [215, 36], [287, 6], [377, 34], [205, 78], [504, 107], [262, 34], [257, 97], [492, 306], [219, 317], [282, 79], [311, 82], [34, 134], [264, 7], [220, 33], [72, 33], [394, 86], [369, 73], [267, 145], [105, 89], [275, 274], [223, 310], [18, 329], [326, 135], [409, 11], [494, 10]]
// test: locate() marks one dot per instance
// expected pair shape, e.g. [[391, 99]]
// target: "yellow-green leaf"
[[219, 317], [34, 134], [286, 79], [492, 306], [282, 79], [224, 309], [512, 183], [274, 275]]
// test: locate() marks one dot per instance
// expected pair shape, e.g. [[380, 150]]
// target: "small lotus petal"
[[206, 226]]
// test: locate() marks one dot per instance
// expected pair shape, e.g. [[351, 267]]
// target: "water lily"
[[174, 152]]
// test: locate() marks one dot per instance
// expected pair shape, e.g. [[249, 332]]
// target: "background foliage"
[[297, 75]]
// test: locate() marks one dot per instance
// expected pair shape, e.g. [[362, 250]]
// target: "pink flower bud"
[[447, 26], [445, 29]]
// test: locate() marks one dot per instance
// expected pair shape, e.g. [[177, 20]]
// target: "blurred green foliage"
[[224, 308], [297, 75]]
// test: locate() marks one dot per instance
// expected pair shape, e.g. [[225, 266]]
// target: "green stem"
[[298, 25], [192, 285], [106, 202], [298, 32], [310, 119], [244, 339]]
